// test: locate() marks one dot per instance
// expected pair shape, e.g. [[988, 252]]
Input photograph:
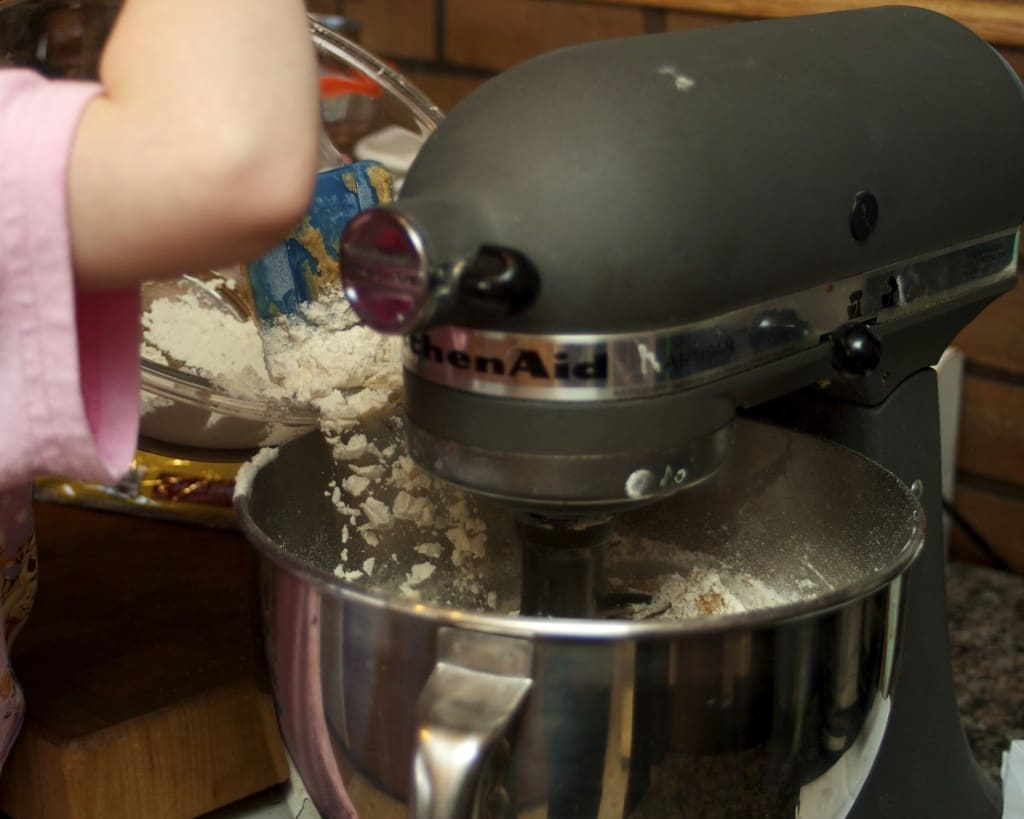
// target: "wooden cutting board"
[[142, 671]]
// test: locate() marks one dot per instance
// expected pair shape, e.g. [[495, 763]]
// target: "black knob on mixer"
[[397, 286], [855, 349], [498, 281], [863, 216]]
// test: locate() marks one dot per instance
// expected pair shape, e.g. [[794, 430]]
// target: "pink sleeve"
[[69, 364]]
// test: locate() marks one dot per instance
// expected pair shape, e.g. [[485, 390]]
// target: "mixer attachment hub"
[[563, 570]]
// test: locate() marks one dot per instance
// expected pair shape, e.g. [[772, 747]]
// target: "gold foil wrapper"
[[157, 487]]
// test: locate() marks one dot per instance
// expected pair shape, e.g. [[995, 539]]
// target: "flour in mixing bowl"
[[701, 592], [385, 498], [397, 502], [684, 583]]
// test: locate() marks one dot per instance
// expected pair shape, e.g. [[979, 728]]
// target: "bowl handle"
[[470, 702]]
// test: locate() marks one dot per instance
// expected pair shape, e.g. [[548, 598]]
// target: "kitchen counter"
[[142, 672], [986, 617]]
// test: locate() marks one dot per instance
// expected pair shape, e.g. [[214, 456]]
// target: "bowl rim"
[[197, 391]]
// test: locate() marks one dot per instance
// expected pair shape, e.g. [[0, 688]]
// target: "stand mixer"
[[606, 253]]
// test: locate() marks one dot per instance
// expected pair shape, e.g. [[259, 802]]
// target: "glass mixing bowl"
[[185, 413]]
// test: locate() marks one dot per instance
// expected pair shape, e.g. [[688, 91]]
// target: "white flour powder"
[[247, 472], [352, 376], [684, 584], [323, 350], [701, 592], [384, 497], [185, 333], [320, 354], [399, 502]]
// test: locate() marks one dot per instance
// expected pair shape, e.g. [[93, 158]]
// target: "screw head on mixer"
[[863, 215], [856, 350]]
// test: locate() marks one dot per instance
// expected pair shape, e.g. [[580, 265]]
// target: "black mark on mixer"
[[891, 298], [853, 308], [673, 477]]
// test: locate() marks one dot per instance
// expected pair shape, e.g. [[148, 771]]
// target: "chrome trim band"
[[618, 366]]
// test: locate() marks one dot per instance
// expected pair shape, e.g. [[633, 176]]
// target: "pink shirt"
[[69, 363]]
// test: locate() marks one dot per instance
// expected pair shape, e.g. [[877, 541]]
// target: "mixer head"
[[605, 251]]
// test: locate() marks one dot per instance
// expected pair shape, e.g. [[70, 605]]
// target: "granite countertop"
[[986, 623]]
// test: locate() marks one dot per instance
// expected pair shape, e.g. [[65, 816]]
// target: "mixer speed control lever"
[[497, 281], [855, 349], [397, 285]]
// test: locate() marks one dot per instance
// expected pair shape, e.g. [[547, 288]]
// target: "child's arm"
[[202, 150]]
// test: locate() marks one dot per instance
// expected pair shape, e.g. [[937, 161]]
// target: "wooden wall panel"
[[992, 429], [444, 87], [496, 34], [397, 28], [323, 6], [684, 20], [998, 517], [996, 337], [1014, 56], [998, 21]]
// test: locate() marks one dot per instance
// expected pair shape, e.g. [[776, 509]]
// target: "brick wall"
[[448, 47]]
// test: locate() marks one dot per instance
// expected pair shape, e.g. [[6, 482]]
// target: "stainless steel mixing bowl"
[[393, 707]]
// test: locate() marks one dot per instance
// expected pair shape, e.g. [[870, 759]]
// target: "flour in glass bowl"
[[187, 331], [311, 355], [324, 364]]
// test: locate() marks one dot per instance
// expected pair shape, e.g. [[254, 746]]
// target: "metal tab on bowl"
[[464, 712]]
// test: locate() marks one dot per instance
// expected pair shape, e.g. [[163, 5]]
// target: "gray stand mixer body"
[[605, 253], [925, 766]]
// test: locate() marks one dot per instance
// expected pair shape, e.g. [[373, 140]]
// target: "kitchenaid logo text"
[[513, 363]]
